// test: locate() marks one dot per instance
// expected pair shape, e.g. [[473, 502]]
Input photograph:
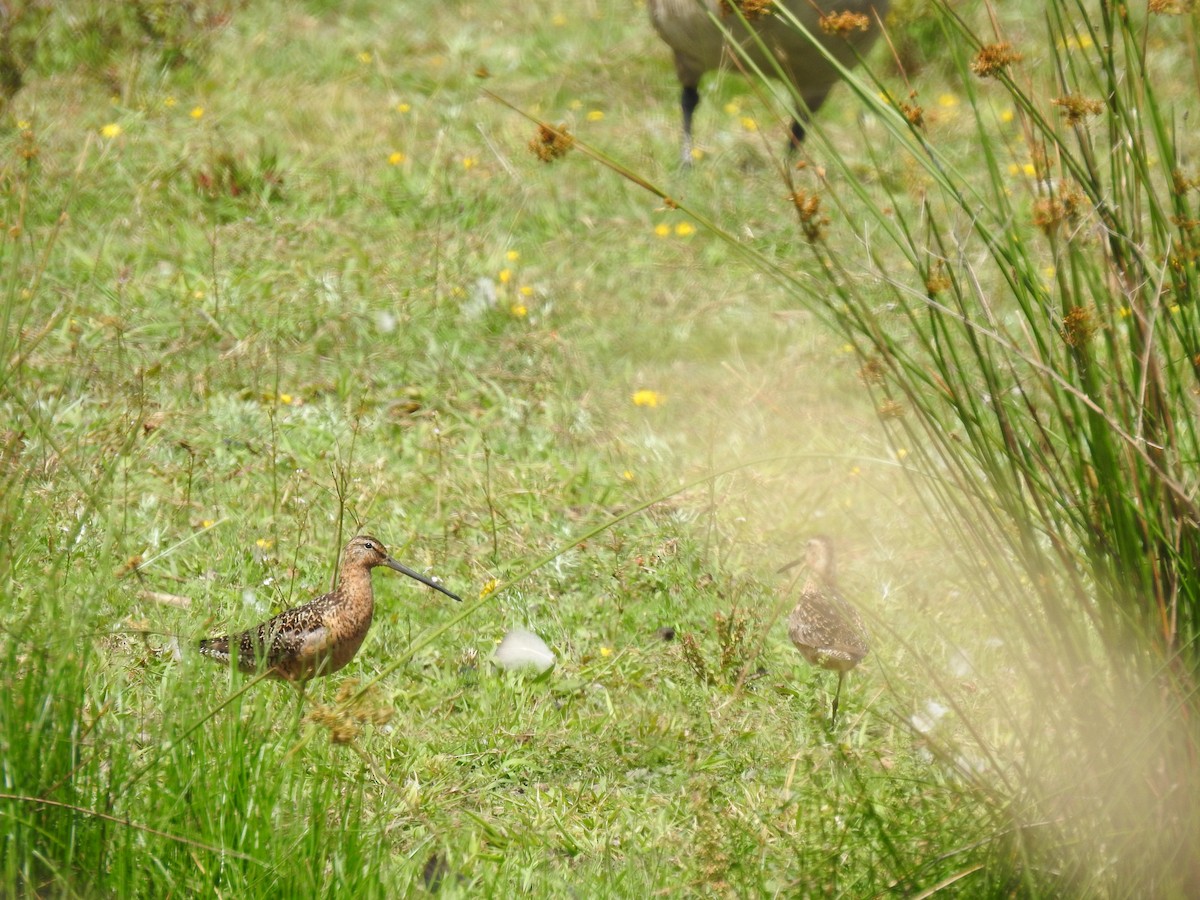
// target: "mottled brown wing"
[[291, 635], [825, 628]]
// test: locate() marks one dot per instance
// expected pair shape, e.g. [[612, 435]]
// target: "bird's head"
[[818, 554], [818, 558], [367, 551]]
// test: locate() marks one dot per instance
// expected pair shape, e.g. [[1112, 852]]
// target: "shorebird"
[[319, 637], [825, 628], [704, 35]]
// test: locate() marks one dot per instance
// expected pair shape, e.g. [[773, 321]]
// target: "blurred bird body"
[[824, 626], [695, 30], [322, 636]]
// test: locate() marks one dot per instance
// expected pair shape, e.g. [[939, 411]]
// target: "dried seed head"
[[551, 143], [992, 59], [1053, 213], [913, 113], [345, 718], [872, 371], [1182, 182], [750, 9], [812, 220], [937, 280], [1041, 163], [890, 409], [842, 23], [1076, 108], [28, 149], [692, 654], [1079, 324]]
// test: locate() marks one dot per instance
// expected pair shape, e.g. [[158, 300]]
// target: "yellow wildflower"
[[683, 229], [1083, 42], [662, 229], [396, 158], [487, 589], [595, 115], [647, 398], [197, 112], [520, 310], [111, 130]]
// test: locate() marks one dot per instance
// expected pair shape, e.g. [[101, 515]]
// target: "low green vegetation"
[[273, 275]]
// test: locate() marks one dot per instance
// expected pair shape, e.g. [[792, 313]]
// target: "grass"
[[274, 278]]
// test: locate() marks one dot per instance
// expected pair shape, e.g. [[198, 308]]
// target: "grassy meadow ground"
[[313, 282]]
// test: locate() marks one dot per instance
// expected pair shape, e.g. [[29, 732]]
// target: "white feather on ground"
[[523, 649]]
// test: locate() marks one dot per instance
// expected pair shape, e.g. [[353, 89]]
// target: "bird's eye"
[[368, 545]]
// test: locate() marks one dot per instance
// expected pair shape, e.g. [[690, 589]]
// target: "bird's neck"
[[821, 580], [355, 581]]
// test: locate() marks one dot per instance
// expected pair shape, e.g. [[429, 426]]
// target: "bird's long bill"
[[400, 567], [789, 566]]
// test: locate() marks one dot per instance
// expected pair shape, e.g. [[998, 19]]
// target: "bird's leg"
[[301, 688], [689, 99], [797, 137], [836, 695]]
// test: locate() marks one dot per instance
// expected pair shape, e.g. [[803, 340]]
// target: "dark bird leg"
[[836, 695], [689, 99], [797, 137], [301, 687]]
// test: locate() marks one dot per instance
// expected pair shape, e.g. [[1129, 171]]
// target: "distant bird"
[[690, 29], [825, 628], [320, 637]]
